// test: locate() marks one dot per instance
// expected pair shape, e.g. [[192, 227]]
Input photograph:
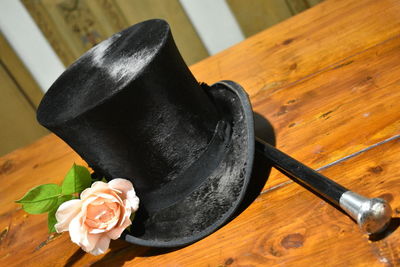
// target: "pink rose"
[[102, 214]]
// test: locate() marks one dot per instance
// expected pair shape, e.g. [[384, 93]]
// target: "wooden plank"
[[322, 36], [76, 22], [321, 116], [314, 2], [72, 27], [35, 161], [17, 116], [43, 19], [254, 16], [45, 161], [297, 6], [344, 109], [287, 226], [18, 71], [111, 18]]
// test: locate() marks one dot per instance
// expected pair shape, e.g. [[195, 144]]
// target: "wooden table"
[[329, 82]]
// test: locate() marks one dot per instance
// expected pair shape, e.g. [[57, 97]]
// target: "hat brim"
[[214, 201]]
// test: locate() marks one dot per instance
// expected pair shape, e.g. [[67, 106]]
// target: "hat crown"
[[104, 70], [132, 109]]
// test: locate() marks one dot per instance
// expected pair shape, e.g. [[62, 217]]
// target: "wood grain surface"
[[303, 45], [311, 75], [328, 81]]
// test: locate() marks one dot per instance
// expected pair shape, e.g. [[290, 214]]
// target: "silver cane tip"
[[374, 215]]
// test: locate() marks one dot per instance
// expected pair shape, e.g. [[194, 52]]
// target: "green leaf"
[[77, 179], [51, 217], [40, 199], [51, 220]]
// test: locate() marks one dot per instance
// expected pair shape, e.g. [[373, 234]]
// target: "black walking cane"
[[372, 214]]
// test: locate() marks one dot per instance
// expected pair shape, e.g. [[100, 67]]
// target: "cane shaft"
[[301, 173], [372, 214]]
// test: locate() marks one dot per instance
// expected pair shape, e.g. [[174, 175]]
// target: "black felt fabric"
[[211, 204], [148, 126], [132, 109]]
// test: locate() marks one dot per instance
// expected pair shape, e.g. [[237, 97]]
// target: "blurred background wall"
[[39, 38]]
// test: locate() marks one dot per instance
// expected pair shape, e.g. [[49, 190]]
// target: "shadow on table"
[[261, 166], [75, 258], [393, 225]]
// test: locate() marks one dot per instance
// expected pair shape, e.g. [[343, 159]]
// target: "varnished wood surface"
[[328, 81], [312, 75]]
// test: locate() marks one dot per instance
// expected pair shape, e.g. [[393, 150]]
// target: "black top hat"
[[132, 109]]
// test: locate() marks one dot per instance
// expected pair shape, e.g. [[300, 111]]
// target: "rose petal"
[[113, 206], [96, 187], [97, 211], [65, 213], [102, 217], [126, 187], [75, 230], [99, 185], [87, 202], [86, 193], [110, 196], [133, 200], [112, 223], [92, 224], [127, 211], [122, 185], [97, 231], [90, 242], [103, 196], [101, 246], [116, 232]]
